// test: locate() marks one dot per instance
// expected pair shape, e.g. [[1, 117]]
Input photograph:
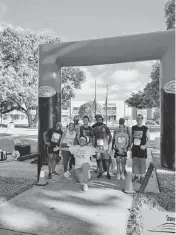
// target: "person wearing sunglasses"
[[140, 139]]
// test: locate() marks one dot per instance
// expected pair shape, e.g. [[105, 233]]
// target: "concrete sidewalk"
[[61, 207]]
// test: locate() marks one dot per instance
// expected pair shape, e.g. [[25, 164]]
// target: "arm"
[[113, 140], [62, 149], [147, 141], [131, 139], [93, 138], [127, 143], [62, 138], [110, 137], [45, 135]]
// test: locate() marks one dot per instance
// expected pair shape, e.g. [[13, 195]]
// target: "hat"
[[98, 116], [121, 121]]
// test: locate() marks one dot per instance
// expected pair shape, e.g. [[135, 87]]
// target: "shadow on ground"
[[61, 207]]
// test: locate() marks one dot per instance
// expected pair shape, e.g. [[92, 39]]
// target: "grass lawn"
[[163, 201]]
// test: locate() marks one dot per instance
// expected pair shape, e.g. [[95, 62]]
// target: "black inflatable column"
[[49, 100], [168, 109]]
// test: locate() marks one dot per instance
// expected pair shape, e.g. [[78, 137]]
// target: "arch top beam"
[[128, 48]]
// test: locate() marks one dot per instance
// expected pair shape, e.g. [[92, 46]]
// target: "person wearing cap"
[[120, 144], [82, 154], [101, 139], [52, 138]]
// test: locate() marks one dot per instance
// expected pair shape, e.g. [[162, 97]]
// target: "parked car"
[[150, 123]]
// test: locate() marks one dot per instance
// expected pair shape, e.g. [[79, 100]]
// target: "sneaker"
[[49, 176], [89, 175], [99, 175], [123, 177], [108, 176], [135, 179], [67, 174], [85, 187], [118, 176]]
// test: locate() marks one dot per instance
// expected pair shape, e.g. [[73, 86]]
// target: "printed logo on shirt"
[[100, 142], [121, 140], [138, 134], [137, 137], [55, 137]]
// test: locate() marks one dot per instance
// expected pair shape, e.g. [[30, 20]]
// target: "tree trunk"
[[29, 115], [36, 118]]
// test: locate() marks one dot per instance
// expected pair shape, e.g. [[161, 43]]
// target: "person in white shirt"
[[68, 139], [82, 154]]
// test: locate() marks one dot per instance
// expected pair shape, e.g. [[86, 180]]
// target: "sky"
[[81, 20]]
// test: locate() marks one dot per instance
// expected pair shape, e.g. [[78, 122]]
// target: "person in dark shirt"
[[52, 138], [101, 139], [140, 139], [86, 130]]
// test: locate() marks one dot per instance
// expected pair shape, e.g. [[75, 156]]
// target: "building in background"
[[115, 110]]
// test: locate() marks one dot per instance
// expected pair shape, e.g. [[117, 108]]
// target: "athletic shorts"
[[138, 165], [119, 155], [102, 156]]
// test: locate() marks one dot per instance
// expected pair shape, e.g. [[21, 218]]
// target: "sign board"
[[158, 223], [46, 91], [169, 87]]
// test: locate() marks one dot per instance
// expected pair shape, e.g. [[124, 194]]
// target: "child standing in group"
[[120, 144]]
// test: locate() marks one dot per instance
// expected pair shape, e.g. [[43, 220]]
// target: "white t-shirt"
[[82, 154]]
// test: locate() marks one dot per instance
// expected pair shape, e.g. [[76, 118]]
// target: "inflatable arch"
[[132, 48]]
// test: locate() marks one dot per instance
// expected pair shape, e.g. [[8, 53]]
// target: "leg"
[[50, 156], [107, 162], [82, 175], [135, 169], [118, 167], [100, 166], [123, 161], [54, 163], [142, 169], [72, 161], [66, 157]]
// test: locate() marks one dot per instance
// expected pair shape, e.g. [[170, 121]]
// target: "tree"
[[19, 70], [89, 110], [156, 115], [150, 97], [170, 14]]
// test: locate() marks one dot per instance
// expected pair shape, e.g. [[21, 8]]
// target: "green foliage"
[[150, 96], [156, 115], [170, 14], [19, 69], [89, 110]]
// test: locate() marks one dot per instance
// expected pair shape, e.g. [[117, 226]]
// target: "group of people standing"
[[78, 144]]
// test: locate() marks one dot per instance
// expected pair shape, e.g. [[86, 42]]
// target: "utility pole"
[[106, 104], [95, 97], [1, 107], [70, 108]]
